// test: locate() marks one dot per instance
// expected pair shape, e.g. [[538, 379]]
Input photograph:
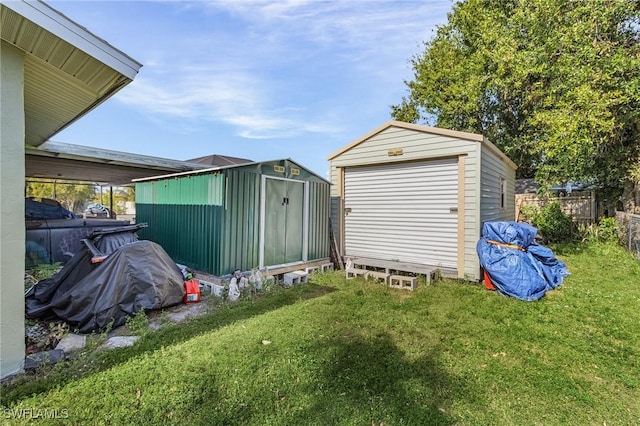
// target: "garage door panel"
[[403, 212]]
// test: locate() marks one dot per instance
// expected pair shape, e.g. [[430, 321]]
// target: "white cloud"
[[267, 68]]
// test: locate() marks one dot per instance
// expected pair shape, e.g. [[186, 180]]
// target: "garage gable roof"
[[425, 129]]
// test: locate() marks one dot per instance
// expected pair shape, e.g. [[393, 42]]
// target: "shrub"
[[528, 213], [138, 322], [553, 223], [605, 231], [608, 229]]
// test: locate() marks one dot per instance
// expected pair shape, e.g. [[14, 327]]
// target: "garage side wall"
[[410, 145], [496, 176]]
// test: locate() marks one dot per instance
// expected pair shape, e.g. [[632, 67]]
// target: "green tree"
[[555, 84], [121, 194], [72, 195]]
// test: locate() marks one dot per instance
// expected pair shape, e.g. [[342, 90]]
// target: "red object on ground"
[[487, 282], [192, 291]]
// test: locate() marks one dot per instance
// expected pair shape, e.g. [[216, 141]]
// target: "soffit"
[[61, 81]]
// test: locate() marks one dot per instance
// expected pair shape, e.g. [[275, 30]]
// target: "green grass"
[[353, 352]]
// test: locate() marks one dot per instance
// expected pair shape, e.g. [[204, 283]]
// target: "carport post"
[[111, 202]]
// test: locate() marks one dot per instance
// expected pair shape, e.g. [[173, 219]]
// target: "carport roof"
[[63, 161]]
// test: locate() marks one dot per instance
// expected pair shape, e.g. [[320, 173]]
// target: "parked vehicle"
[[569, 187], [97, 210], [54, 234]]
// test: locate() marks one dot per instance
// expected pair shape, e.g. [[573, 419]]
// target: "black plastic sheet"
[[90, 296]]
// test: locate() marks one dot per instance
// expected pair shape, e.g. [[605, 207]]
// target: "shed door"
[[284, 219], [403, 212]]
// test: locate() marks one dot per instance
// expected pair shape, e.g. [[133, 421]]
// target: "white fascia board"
[[59, 25]]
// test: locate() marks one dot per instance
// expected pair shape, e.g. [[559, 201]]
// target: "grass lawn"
[[337, 352]]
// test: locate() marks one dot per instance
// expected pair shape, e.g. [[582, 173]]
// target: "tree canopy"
[[555, 84], [75, 196], [72, 195]]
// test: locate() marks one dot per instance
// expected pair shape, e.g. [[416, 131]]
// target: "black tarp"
[[90, 296]]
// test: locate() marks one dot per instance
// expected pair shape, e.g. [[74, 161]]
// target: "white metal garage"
[[415, 197], [403, 211]]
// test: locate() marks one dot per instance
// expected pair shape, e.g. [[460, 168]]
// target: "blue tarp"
[[517, 265]]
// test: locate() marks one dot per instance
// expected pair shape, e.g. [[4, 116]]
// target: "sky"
[[262, 80]]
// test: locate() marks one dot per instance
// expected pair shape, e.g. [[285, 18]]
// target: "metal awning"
[[63, 161]]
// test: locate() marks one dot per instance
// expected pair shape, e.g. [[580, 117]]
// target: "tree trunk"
[[631, 196]]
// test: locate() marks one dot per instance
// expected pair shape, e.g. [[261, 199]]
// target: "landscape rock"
[[188, 311], [120, 342], [35, 360], [71, 342]]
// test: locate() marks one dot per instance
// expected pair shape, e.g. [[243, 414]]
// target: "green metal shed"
[[256, 215]]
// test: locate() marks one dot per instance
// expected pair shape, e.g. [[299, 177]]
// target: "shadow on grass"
[[169, 334], [357, 381], [372, 378]]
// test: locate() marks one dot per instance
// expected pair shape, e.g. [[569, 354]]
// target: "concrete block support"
[[382, 277], [313, 269], [355, 272], [327, 267], [295, 277], [402, 282]]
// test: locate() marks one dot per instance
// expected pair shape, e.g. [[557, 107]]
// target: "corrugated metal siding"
[[415, 146], [402, 211], [206, 189], [184, 231], [319, 208], [182, 215], [211, 222], [241, 234], [336, 200]]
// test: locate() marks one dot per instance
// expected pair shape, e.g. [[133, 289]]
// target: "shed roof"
[[425, 129], [232, 166], [219, 160], [526, 186]]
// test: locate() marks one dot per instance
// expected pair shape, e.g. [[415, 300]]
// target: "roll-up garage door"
[[406, 212]]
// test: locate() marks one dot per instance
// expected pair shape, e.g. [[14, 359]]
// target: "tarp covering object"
[[89, 296], [517, 265]]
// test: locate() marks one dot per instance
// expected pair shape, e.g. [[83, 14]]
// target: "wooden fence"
[[580, 206]]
